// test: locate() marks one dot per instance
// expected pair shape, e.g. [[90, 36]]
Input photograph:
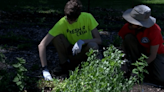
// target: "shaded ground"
[[33, 27]]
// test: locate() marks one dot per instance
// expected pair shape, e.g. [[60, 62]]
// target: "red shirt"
[[149, 37]]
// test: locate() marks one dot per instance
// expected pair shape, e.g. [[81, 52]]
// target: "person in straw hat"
[[141, 34]]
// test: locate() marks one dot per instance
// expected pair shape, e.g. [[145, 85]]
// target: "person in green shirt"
[[73, 35]]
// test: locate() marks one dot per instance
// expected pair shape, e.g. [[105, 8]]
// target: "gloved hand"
[[46, 75], [77, 47]]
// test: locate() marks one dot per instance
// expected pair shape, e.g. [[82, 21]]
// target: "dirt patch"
[[36, 33]]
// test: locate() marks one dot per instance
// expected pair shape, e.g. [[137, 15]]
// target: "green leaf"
[[140, 63], [135, 71], [112, 63], [19, 83], [90, 52], [21, 87], [17, 65], [21, 69], [16, 79], [135, 64], [140, 69], [97, 90], [21, 60], [146, 71]]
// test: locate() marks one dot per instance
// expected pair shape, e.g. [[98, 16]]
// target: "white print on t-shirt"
[[145, 40]]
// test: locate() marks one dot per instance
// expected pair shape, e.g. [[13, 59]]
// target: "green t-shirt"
[[81, 29]]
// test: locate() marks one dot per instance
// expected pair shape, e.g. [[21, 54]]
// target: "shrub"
[[98, 75]]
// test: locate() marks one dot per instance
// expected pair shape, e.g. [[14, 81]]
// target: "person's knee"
[[93, 45], [58, 38]]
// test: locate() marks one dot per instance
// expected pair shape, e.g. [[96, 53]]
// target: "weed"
[[140, 69], [20, 78], [9, 81]]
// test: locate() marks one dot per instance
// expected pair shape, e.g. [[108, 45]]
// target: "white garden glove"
[[47, 75], [77, 47]]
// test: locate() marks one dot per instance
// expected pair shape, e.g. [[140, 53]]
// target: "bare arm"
[[153, 53], [96, 37], [42, 48]]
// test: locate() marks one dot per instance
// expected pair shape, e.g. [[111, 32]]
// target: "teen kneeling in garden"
[[141, 34], [73, 35]]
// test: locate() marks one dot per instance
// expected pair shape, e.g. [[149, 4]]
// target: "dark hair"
[[73, 9]]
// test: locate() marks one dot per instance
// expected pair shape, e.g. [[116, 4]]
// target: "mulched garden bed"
[[30, 54]]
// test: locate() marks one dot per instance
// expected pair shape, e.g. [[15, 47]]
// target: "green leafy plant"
[[5, 76], [20, 78], [97, 75], [140, 64], [13, 81]]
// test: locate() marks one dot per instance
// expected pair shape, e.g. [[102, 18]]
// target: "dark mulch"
[[10, 23]]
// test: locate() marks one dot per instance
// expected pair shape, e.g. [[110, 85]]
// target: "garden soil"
[[35, 32]]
